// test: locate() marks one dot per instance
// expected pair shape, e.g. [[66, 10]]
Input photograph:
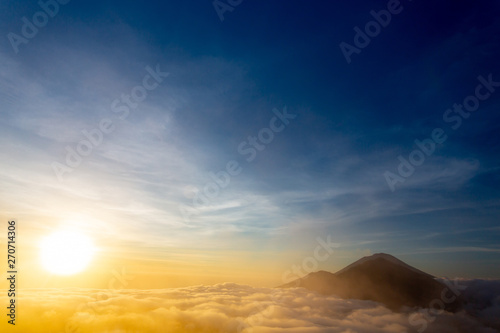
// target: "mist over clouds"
[[233, 308]]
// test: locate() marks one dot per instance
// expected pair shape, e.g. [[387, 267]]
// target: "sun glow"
[[66, 252]]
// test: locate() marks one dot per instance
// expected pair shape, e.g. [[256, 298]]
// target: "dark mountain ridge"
[[385, 279]]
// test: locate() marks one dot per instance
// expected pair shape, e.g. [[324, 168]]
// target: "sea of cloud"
[[231, 307]]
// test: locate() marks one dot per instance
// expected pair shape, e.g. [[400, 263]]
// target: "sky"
[[197, 143]]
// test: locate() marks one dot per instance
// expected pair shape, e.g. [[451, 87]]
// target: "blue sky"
[[323, 174]]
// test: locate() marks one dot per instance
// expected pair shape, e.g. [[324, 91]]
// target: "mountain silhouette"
[[385, 279]]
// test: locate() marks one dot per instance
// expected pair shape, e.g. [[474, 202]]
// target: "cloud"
[[231, 307], [483, 298]]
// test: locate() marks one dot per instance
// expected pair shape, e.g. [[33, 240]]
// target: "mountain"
[[385, 279]]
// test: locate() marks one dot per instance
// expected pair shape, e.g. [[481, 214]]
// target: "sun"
[[66, 252]]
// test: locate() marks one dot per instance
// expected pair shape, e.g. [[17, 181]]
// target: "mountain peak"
[[381, 278], [382, 256]]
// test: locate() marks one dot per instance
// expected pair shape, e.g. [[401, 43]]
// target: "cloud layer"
[[238, 308]]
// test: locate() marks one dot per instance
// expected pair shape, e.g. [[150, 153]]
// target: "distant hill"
[[381, 278]]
